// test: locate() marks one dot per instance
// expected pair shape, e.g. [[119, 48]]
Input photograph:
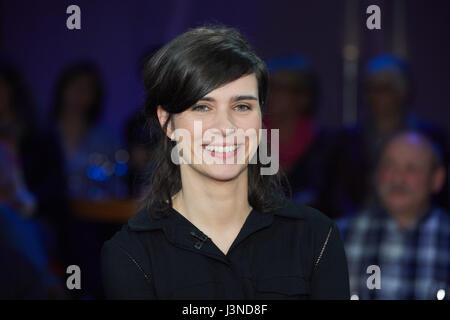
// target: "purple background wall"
[[116, 33]]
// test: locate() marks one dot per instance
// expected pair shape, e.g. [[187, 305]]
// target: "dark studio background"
[[115, 35]]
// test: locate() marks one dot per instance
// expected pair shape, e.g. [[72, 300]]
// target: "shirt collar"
[[381, 213], [142, 221], [182, 233]]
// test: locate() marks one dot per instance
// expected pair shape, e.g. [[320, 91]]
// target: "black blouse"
[[294, 252]]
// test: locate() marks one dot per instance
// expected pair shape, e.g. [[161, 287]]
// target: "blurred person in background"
[[38, 186], [36, 149], [403, 231], [305, 147], [25, 271], [95, 166], [94, 161], [388, 93]]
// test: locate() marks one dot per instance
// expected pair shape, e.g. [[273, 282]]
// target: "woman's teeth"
[[221, 148]]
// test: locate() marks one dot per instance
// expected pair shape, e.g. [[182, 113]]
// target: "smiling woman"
[[212, 230], [182, 81]]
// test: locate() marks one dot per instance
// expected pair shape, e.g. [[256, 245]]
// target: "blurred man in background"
[[403, 232], [387, 96]]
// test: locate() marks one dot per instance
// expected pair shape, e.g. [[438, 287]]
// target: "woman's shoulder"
[[304, 214], [126, 267], [123, 237], [123, 243], [126, 250], [128, 237], [315, 227]]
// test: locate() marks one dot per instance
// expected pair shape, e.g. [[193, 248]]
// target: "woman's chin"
[[223, 172]]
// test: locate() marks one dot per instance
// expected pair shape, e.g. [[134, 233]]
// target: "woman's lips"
[[222, 151]]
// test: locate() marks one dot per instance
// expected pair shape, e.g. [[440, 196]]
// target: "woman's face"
[[223, 127]]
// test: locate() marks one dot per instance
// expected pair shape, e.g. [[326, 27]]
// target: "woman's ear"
[[163, 116]]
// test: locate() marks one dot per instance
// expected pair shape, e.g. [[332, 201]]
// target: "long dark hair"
[[66, 77], [176, 77]]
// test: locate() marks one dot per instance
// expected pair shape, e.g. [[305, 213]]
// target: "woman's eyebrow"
[[233, 99], [244, 97]]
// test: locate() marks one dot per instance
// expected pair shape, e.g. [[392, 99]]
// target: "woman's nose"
[[224, 125]]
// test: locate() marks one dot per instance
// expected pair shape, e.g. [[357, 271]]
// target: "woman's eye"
[[201, 108], [242, 107]]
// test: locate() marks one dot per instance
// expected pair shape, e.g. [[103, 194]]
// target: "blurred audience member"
[[387, 95], [38, 186], [305, 148], [403, 232], [35, 149], [95, 163], [25, 271], [13, 190]]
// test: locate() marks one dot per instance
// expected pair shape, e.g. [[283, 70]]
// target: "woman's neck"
[[211, 204]]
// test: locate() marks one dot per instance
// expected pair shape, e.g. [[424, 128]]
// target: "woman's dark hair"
[[176, 77], [67, 76], [21, 99]]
